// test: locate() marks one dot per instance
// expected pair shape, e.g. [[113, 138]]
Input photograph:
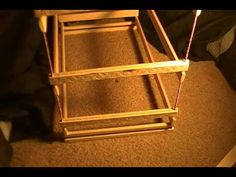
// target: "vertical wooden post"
[[64, 88], [55, 45]]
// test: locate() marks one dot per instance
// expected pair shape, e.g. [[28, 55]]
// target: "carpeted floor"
[[204, 132]]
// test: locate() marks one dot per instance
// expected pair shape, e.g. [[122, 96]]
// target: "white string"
[[198, 12]]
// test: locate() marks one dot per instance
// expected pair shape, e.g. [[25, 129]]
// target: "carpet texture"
[[204, 132]]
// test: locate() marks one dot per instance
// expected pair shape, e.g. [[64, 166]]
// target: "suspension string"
[[197, 13], [48, 54], [56, 93], [179, 89]]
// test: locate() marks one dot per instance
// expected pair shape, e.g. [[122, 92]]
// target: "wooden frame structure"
[[61, 76]]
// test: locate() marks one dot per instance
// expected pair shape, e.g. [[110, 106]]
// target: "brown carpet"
[[204, 132]]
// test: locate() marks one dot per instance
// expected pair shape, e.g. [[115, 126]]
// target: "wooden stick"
[[163, 37], [151, 59], [39, 13], [162, 34], [98, 25], [55, 59], [116, 135], [102, 131], [63, 48], [154, 112], [94, 30], [98, 15], [120, 71], [64, 88]]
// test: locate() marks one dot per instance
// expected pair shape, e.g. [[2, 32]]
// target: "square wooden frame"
[[175, 65]]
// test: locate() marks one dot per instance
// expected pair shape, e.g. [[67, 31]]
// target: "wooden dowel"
[[116, 135], [64, 88], [154, 112], [39, 13], [120, 71], [163, 37], [55, 42], [98, 15], [162, 34], [98, 25], [103, 131], [96, 30]]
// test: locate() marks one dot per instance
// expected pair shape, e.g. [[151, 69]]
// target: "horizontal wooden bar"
[[39, 13], [120, 71], [98, 15], [94, 30], [114, 135], [97, 25], [154, 112], [103, 131]]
